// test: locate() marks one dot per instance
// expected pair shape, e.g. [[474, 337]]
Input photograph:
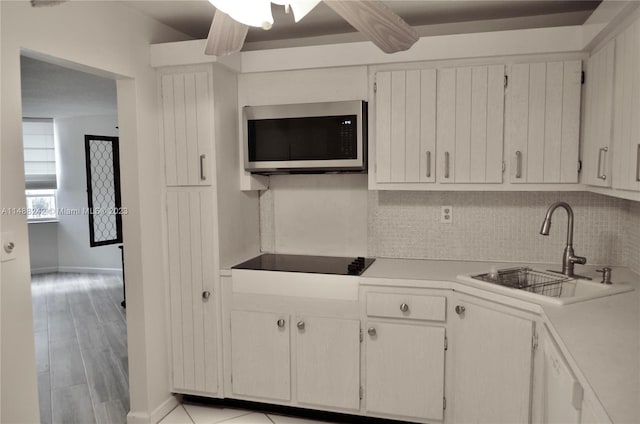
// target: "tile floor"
[[81, 348], [205, 414]]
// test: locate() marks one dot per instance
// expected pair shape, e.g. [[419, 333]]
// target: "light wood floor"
[[81, 348]]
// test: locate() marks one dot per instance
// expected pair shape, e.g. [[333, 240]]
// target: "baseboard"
[[89, 270], [44, 270], [156, 415]]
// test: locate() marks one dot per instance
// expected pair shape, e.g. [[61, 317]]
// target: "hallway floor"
[[81, 348]]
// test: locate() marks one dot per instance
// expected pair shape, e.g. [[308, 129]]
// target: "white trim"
[[442, 47], [156, 415], [44, 270], [89, 270]]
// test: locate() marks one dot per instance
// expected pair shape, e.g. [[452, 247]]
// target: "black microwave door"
[[303, 139]]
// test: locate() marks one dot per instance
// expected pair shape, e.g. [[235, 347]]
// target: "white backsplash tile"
[[498, 226]]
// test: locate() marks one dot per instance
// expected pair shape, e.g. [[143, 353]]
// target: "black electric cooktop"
[[311, 264]]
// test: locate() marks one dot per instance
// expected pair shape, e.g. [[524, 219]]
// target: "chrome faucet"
[[569, 259]]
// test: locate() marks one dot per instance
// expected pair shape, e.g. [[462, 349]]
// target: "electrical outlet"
[[446, 214]]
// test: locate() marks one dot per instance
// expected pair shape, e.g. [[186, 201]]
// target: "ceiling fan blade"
[[380, 24], [226, 35]]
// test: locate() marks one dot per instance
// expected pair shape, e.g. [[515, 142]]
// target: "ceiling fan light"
[[300, 7], [255, 13]]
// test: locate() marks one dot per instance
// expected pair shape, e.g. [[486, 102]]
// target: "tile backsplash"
[[495, 226], [488, 226]]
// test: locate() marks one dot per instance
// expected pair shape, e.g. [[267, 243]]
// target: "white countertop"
[[601, 336]]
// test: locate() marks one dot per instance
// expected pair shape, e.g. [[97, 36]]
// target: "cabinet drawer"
[[408, 306]]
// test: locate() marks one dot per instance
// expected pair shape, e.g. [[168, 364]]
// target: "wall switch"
[[446, 214]]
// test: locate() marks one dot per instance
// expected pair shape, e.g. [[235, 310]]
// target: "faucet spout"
[[569, 259]]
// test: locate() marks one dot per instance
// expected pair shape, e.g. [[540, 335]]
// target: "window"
[[41, 205], [40, 168], [103, 190]]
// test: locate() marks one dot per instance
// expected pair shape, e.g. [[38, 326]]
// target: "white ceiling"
[[429, 17], [52, 91]]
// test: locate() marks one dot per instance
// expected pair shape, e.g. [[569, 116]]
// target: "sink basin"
[[543, 286]]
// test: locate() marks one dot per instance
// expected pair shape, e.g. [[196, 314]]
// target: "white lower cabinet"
[[325, 361], [328, 362], [260, 360], [492, 363], [192, 298], [405, 370]]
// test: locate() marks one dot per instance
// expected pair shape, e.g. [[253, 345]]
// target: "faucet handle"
[[578, 260], [606, 275]]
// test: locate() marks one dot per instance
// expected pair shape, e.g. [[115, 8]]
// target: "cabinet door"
[[187, 122], [405, 126], [260, 355], [405, 370], [492, 366], [543, 122], [194, 352], [626, 130], [470, 115], [328, 362], [597, 150]]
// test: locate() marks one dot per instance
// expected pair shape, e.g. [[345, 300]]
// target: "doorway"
[[77, 284]]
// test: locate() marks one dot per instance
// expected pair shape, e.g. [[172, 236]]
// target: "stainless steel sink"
[[543, 286]]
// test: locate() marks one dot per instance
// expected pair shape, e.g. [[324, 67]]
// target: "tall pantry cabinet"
[[210, 223]]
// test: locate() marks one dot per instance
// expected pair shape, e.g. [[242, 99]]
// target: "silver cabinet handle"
[[446, 164], [638, 164], [300, 325], [280, 323], [429, 163], [460, 309], [206, 294], [203, 177], [601, 175], [372, 331], [518, 164], [404, 307]]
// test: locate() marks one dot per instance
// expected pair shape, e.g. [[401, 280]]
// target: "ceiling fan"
[[372, 18]]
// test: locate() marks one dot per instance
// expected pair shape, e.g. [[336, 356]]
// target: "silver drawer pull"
[[280, 323], [518, 164], [404, 307], [300, 325], [638, 164], [372, 331], [600, 171], [203, 176], [205, 295], [460, 309], [446, 164]]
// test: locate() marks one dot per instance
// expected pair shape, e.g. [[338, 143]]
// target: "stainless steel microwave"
[[308, 137]]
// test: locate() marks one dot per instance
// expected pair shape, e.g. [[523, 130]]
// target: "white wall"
[[74, 252], [112, 40], [315, 215], [43, 247]]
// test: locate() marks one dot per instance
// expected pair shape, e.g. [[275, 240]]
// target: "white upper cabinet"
[[440, 125], [187, 117], [626, 109], [543, 122], [406, 126], [470, 113], [597, 149]]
